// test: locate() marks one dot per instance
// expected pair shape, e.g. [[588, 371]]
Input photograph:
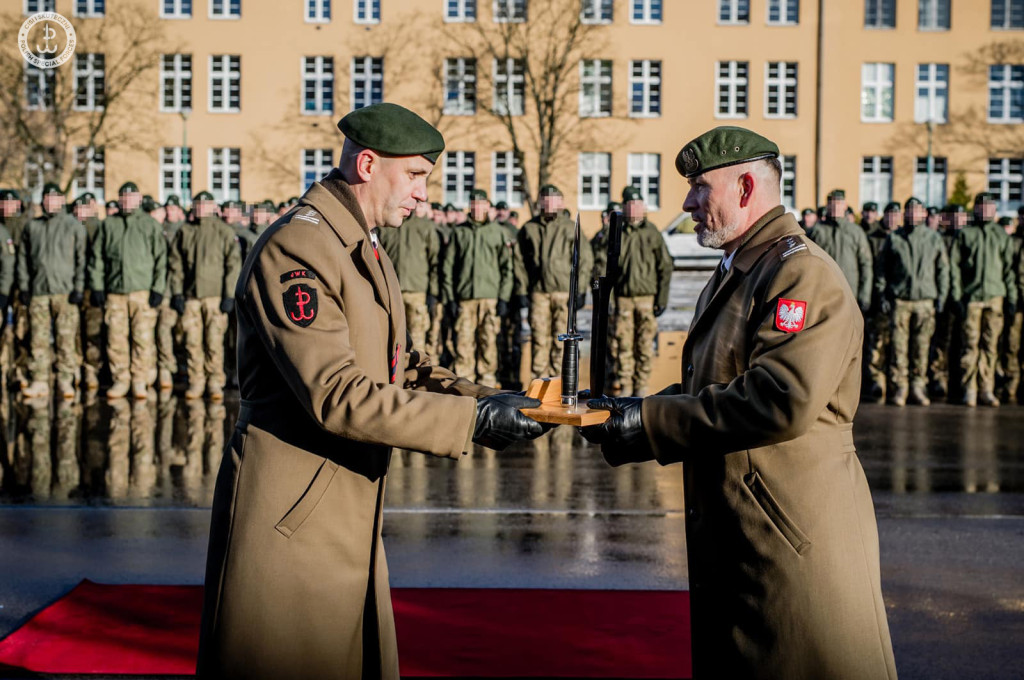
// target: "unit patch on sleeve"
[[298, 274], [300, 304], [790, 315]]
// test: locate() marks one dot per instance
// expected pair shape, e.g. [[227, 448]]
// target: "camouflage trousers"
[[1010, 355], [982, 327], [549, 313], [167, 319], [944, 343], [439, 337], [53, 317], [635, 328], [16, 354], [476, 341], [877, 338], [913, 324], [131, 350], [417, 320], [205, 327], [92, 341]]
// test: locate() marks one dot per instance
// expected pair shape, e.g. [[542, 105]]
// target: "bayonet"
[[571, 338]]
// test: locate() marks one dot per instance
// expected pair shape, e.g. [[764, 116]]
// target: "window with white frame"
[[459, 177], [509, 11], [1005, 182], [645, 11], [876, 96], [596, 11], [225, 9], [316, 163], [367, 11], [37, 169], [225, 83], [932, 192], [783, 12], [460, 10], [595, 88], [644, 88], [1006, 93], [644, 172], [90, 9], [318, 11], [876, 179], [460, 86], [931, 93], [507, 179], [317, 85], [225, 170], [933, 15], [780, 89], [734, 11], [1007, 14], [175, 9], [36, 6], [509, 86], [788, 181], [89, 172], [175, 82], [879, 13], [595, 188], [367, 81], [90, 82], [39, 84], [731, 89], [175, 173]]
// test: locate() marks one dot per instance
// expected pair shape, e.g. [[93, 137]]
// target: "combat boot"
[[194, 392], [215, 392], [118, 390], [970, 398], [899, 397], [918, 397], [66, 389], [877, 394], [92, 380], [939, 389], [36, 390], [140, 390], [166, 380], [986, 398]]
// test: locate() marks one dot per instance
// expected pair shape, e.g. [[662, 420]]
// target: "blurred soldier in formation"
[[203, 267], [476, 282], [934, 219], [946, 342], [127, 275], [641, 295], [92, 317], [1010, 355], [510, 349], [546, 244], [847, 244], [878, 322], [983, 285], [413, 249], [51, 277], [869, 217], [15, 219], [912, 278], [599, 245], [808, 218]]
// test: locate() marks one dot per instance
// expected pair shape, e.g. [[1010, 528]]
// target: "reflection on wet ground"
[[165, 452]]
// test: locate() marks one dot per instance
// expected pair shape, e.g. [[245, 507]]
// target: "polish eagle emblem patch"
[[790, 315]]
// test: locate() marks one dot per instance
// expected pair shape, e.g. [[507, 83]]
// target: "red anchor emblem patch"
[[300, 304]]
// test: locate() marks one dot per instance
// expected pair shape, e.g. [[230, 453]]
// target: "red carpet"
[[135, 630]]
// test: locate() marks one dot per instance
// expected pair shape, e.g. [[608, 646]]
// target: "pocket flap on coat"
[[790, 531], [303, 507]]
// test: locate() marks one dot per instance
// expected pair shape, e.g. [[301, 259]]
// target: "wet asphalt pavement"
[[120, 493]]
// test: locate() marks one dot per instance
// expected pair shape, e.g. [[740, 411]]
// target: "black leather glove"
[[76, 297], [227, 305], [499, 422], [658, 310], [622, 437], [155, 298], [97, 298], [178, 303], [453, 309], [502, 308], [431, 301], [25, 297], [524, 301]]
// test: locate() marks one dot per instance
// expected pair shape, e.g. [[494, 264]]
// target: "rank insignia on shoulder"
[[300, 304], [790, 315], [792, 245], [298, 274], [307, 215]]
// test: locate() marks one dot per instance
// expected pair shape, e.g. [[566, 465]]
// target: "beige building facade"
[[253, 89]]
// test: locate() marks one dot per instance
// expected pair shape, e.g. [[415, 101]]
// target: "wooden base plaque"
[[549, 391]]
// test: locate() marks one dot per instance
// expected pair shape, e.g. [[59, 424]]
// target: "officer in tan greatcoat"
[[296, 580], [782, 544]]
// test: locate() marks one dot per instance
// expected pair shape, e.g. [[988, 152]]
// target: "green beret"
[[202, 196], [957, 208], [392, 129], [436, 206], [110, 204], [478, 195], [892, 206], [514, 213], [172, 200], [128, 187], [870, 205], [984, 197], [808, 211], [88, 196], [932, 210], [267, 205], [501, 205], [837, 194], [448, 207], [911, 202], [292, 201], [549, 190], [9, 195], [282, 205], [1005, 221], [631, 193], [52, 188], [613, 206], [721, 147], [148, 204]]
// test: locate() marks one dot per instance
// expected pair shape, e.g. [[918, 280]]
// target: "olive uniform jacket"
[[296, 579], [782, 543]]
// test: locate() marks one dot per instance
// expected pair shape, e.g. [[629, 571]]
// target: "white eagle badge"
[[790, 315]]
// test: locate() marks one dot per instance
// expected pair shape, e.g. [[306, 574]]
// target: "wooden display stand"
[[549, 391]]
